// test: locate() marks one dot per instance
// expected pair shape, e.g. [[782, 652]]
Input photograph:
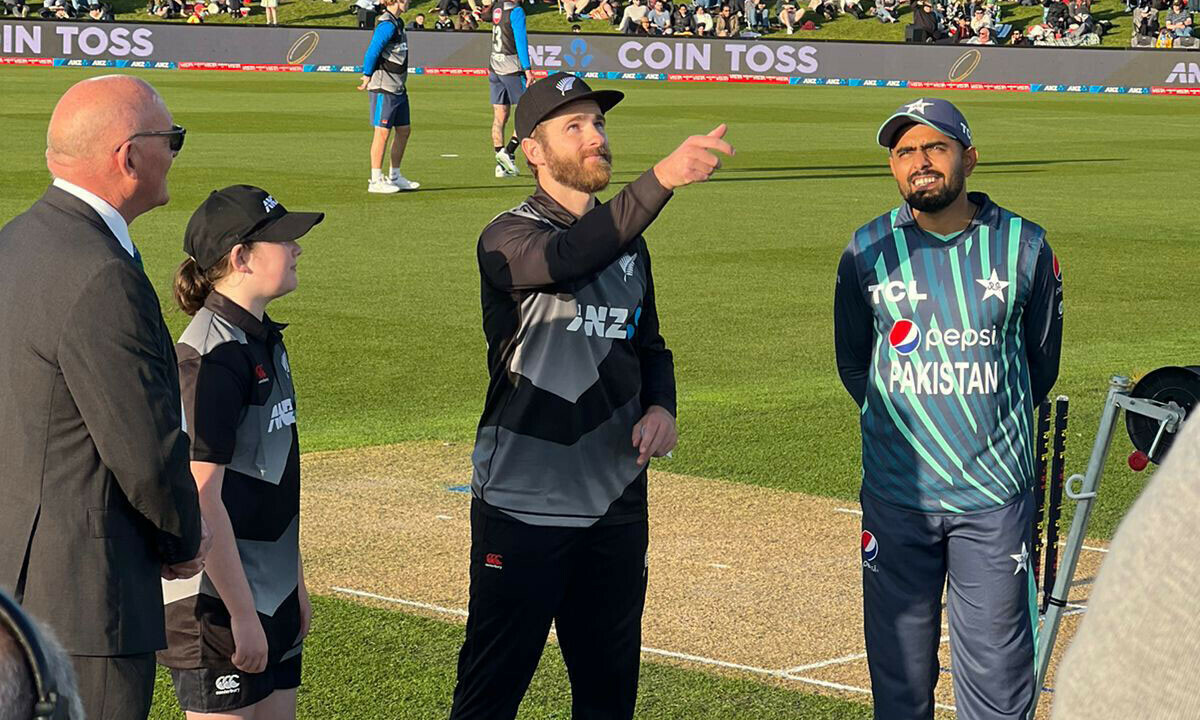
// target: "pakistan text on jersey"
[[944, 378]]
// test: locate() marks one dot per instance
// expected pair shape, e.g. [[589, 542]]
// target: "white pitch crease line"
[[710, 661], [850, 688], [1086, 547], [826, 663], [652, 651], [398, 601], [784, 674], [848, 511]]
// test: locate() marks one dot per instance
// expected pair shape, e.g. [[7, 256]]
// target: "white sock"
[[393, 173], [376, 174]]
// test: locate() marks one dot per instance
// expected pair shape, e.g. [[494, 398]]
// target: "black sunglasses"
[[174, 137]]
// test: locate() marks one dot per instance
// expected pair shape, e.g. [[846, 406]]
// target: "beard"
[[575, 173], [935, 200]]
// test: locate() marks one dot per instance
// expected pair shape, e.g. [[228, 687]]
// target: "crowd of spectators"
[[61, 10], [1177, 28], [1063, 22], [725, 18], [973, 22], [196, 12]]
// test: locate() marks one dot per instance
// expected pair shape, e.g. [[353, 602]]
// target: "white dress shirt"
[[107, 213]]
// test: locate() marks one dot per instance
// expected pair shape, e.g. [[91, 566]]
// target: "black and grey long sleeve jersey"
[[575, 357]]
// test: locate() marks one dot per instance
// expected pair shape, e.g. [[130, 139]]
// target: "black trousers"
[[115, 688], [590, 581]]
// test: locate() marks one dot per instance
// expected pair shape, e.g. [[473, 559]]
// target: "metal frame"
[[1169, 416]]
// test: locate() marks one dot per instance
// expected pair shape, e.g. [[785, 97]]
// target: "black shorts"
[[209, 690]]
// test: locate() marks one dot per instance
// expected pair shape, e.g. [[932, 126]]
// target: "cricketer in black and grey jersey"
[[575, 358], [240, 408]]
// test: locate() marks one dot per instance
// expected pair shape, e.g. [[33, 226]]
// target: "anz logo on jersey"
[[605, 322]]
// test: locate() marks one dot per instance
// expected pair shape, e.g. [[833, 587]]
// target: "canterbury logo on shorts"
[[227, 685]]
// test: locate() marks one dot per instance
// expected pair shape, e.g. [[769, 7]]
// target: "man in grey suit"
[[98, 500]]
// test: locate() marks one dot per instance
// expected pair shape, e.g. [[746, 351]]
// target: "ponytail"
[[192, 287]]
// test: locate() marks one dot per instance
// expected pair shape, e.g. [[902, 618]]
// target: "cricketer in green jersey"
[[948, 327]]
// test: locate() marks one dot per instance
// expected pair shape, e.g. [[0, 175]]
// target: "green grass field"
[[385, 330], [544, 17]]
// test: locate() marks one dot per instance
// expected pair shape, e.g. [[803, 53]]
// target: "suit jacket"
[[95, 487]]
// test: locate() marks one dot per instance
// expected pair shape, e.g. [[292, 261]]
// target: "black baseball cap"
[[550, 93], [941, 115], [239, 214]]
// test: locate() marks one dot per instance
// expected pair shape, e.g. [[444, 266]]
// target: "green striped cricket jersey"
[[947, 344]]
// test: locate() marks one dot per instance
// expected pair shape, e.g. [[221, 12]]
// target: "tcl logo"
[[895, 291], [227, 684]]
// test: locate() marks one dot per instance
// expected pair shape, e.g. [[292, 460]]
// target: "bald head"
[[91, 143], [95, 116]]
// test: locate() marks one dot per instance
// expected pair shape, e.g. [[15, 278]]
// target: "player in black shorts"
[[234, 632]]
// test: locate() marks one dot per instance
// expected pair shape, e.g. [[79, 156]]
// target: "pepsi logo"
[[905, 336], [1057, 269], [870, 546]]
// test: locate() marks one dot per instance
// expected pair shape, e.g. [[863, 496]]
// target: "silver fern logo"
[[564, 86], [626, 263]]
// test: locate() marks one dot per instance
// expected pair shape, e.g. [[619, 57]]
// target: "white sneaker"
[[402, 183], [382, 187], [506, 162], [501, 172]]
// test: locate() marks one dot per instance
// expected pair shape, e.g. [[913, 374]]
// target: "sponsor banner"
[[472, 72], [613, 57], [1174, 91], [334, 68], [26, 61]]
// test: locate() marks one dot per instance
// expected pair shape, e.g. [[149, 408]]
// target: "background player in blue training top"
[[385, 75], [509, 74], [948, 326]]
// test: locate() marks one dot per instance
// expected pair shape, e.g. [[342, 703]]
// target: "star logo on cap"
[[920, 106], [564, 86], [993, 286]]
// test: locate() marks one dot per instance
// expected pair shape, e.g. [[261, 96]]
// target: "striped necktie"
[[137, 259]]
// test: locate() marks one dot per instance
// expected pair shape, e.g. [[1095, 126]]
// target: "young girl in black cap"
[[234, 632]]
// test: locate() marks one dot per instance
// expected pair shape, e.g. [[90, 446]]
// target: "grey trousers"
[[991, 602], [115, 688]]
